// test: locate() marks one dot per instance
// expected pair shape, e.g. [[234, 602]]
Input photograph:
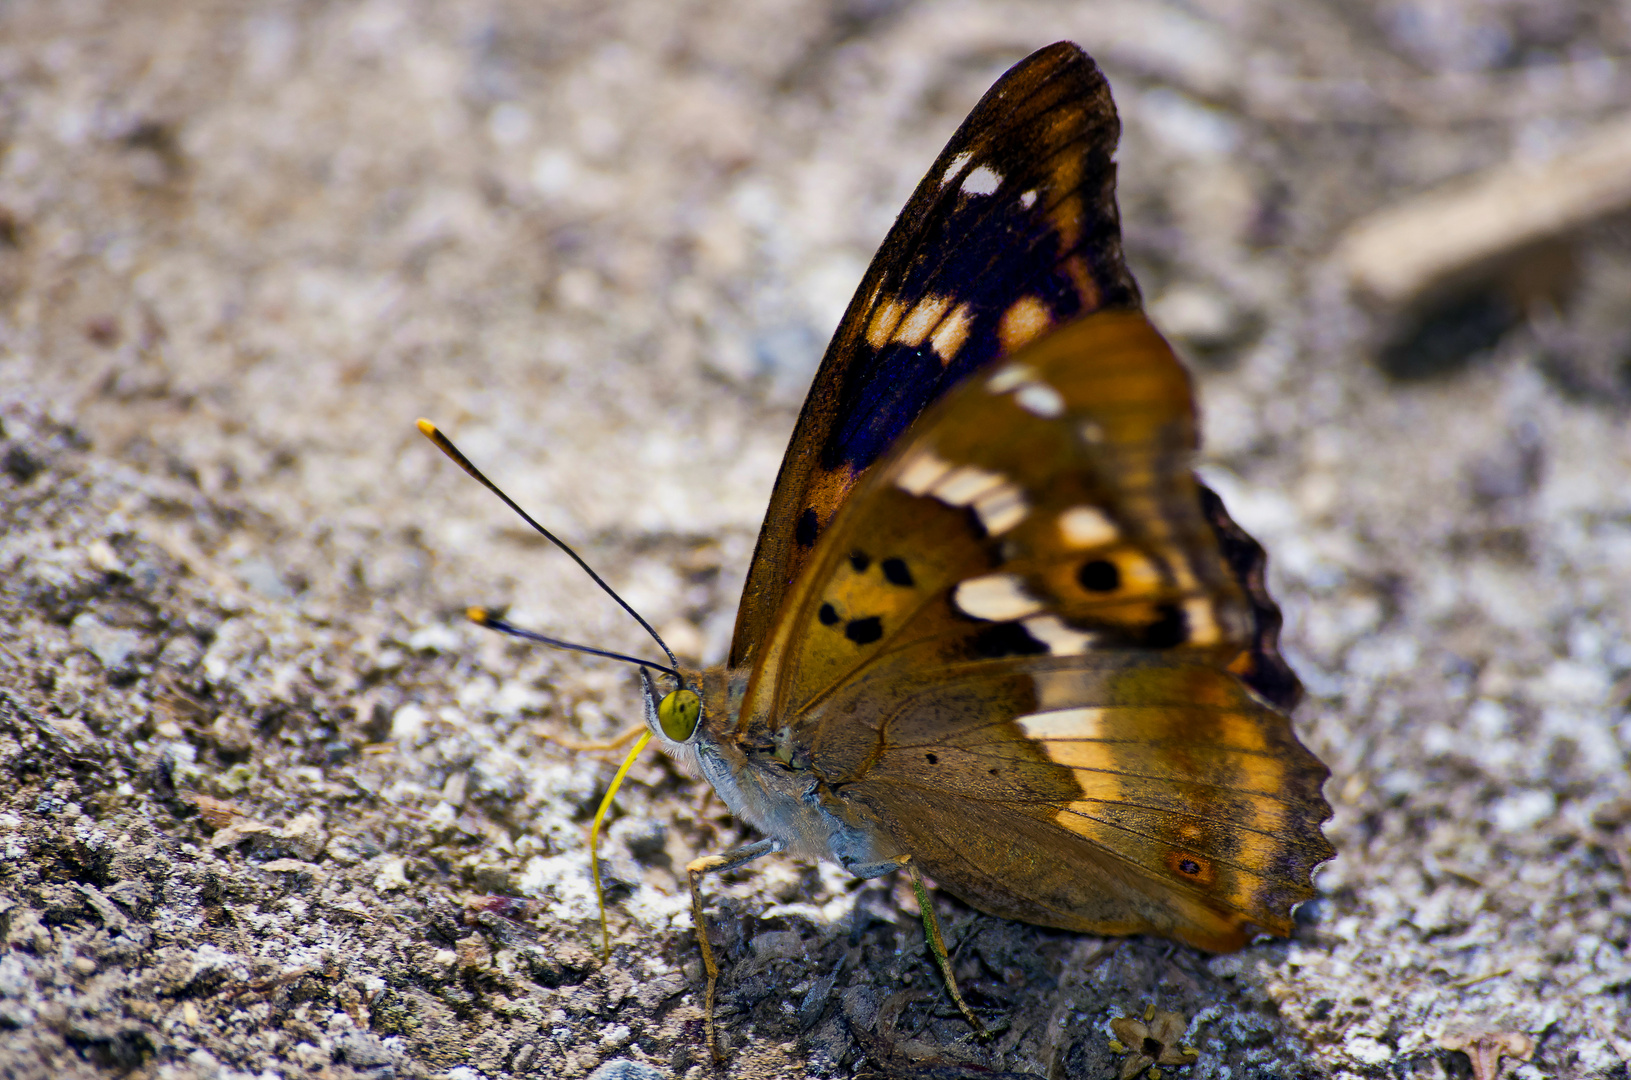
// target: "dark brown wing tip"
[[1269, 674]]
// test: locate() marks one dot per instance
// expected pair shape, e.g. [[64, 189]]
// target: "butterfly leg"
[[714, 864], [937, 946]]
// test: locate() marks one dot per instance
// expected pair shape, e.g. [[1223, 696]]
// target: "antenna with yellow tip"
[[483, 617], [445, 445]]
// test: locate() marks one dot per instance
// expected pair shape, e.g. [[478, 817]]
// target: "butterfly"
[[995, 632]]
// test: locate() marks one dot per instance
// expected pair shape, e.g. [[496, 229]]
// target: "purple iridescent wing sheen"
[[1013, 231]]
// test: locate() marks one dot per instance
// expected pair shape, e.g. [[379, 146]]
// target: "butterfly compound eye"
[[678, 713]]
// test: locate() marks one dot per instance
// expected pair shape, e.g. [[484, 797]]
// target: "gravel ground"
[[259, 772]]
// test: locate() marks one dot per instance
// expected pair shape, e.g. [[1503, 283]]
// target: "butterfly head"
[[678, 713], [673, 718]]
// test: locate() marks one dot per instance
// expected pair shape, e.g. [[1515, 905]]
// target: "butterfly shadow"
[[862, 996]]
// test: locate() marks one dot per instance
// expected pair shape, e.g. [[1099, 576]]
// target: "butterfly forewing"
[[1046, 507], [1027, 606], [1013, 231]]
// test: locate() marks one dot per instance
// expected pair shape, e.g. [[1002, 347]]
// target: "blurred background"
[[244, 245]]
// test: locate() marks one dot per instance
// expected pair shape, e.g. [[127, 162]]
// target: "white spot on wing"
[[1203, 628], [1024, 320], [1082, 723], [924, 317], [949, 336], [967, 483], [1001, 509], [921, 472], [1000, 504], [1041, 399], [955, 167], [1027, 199], [1060, 639], [1087, 526], [1010, 376], [885, 317], [996, 597], [982, 181]]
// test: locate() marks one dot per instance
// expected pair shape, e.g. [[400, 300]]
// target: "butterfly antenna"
[[445, 445], [482, 617]]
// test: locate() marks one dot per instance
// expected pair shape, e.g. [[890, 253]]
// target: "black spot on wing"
[[896, 573], [1005, 639], [804, 533], [864, 631], [1099, 575], [859, 561], [1169, 629], [828, 615]]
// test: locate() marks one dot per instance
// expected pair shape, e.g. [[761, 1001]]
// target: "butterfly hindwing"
[[1013, 231], [1029, 604]]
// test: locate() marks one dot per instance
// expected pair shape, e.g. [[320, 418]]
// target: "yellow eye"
[[678, 714]]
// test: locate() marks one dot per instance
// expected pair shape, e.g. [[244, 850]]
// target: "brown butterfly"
[[995, 631]]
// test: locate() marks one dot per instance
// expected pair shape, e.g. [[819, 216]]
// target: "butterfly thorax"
[[768, 777]]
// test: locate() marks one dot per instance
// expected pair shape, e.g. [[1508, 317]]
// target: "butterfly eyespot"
[[859, 561], [828, 615], [1099, 575], [1191, 867], [678, 714], [896, 573], [864, 631]]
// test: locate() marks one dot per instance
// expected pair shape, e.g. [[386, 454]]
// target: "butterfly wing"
[[1023, 647], [1014, 230]]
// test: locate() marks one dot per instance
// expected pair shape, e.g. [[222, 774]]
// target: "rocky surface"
[[259, 772]]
